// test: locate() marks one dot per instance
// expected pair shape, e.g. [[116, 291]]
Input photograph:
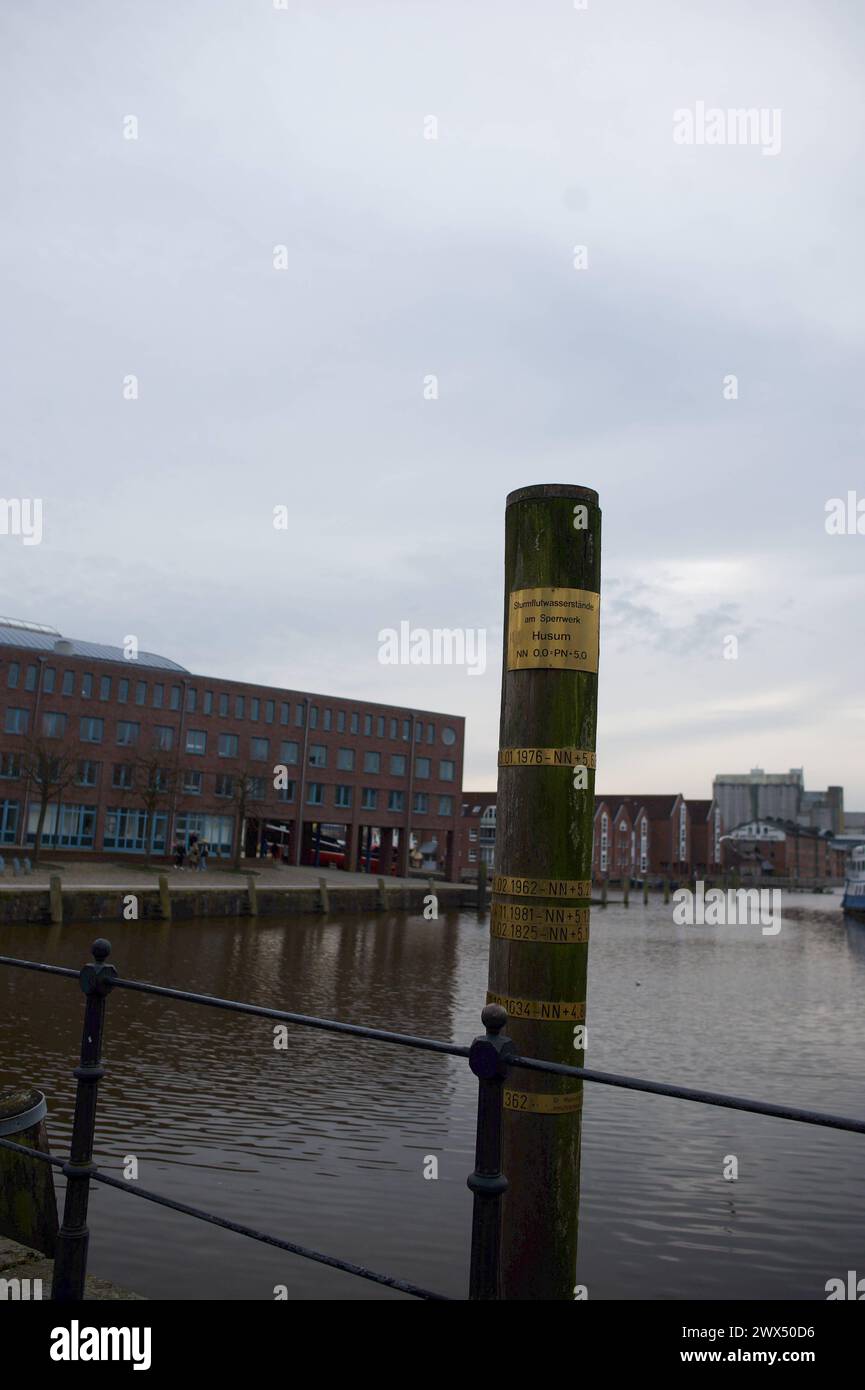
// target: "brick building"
[[707, 828], [476, 833], [231, 758], [782, 849], [641, 835]]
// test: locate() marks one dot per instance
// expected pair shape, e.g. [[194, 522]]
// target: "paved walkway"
[[83, 875]]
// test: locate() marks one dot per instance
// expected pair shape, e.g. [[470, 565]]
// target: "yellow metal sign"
[[541, 887], [532, 922], [553, 628], [547, 757], [538, 1103], [542, 1010]]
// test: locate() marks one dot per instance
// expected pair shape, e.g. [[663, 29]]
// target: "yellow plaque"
[[551, 923], [540, 1103], [542, 1010], [541, 887], [546, 757], [553, 629]]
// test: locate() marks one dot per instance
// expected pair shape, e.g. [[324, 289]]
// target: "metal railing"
[[491, 1057]]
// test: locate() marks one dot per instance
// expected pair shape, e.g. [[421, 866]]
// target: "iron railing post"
[[70, 1261], [488, 1059]]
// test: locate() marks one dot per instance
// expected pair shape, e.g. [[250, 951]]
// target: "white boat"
[[854, 884]]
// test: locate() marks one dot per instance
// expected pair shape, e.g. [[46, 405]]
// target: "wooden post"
[[381, 896], [28, 1207], [164, 898], [482, 886], [55, 899], [626, 889], [251, 896], [666, 890], [323, 899], [645, 891], [603, 892], [539, 921]]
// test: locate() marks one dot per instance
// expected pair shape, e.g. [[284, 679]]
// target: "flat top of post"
[[537, 490]]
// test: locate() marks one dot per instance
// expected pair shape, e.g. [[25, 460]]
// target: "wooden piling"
[[164, 898], [645, 891], [666, 890], [323, 897], [541, 885], [28, 1207], [603, 892], [251, 896], [55, 899], [626, 890], [381, 896]]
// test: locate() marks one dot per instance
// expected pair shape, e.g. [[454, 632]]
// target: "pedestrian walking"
[[179, 855]]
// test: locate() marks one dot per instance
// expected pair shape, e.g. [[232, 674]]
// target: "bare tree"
[[51, 772], [153, 778], [244, 792]]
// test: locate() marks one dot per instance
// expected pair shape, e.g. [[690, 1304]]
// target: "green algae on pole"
[[542, 882]]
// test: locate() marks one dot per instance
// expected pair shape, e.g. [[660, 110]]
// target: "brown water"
[[325, 1143]]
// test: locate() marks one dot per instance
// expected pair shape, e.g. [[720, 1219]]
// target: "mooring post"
[[55, 899], [645, 891], [251, 896], [488, 1059], [539, 922], [164, 898], [70, 1261], [626, 890], [666, 890], [381, 893], [603, 892], [323, 898], [482, 886], [28, 1206]]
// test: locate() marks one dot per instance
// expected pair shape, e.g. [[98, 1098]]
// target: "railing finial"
[[101, 949]]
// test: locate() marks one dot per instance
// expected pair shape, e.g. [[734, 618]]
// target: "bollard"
[[55, 899], [626, 890], [164, 898], [70, 1261], [28, 1206], [645, 891], [539, 917], [488, 1059], [603, 892], [666, 890], [381, 895], [323, 904], [251, 896], [482, 886]]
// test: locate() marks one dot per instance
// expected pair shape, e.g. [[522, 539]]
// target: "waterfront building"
[[635, 836], [476, 835], [771, 847], [707, 826], [228, 760], [755, 795]]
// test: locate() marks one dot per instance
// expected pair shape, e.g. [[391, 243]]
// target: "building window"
[[12, 676], [394, 728], [285, 793], [257, 788], [421, 801], [224, 784], [158, 696], [127, 732], [315, 794], [395, 801], [340, 721], [254, 707], [196, 741], [53, 725], [447, 770], [367, 724], [379, 726], [371, 761], [446, 805], [317, 755], [49, 676], [239, 707], [299, 715], [228, 745], [345, 759], [397, 764], [105, 688], [8, 822], [207, 704], [368, 798], [191, 699], [289, 752], [121, 775], [163, 737], [284, 711], [448, 736], [87, 773], [192, 783], [269, 711], [30, 678], [327, 720], [406, 730], [355, 722], [91, 729], [140, 692], [69, 826], [683, 833], [223, 705], [87, 685], [422, 767], [259, 749], [644, 845], [175, 697], [68, 682], [343, 796], [473, 835], [605, 841], [313, 716], [122, 692], [430, 733], [215, 831], [126, 828], [10, 764]]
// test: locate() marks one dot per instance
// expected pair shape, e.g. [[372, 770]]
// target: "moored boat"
[[854, 884]]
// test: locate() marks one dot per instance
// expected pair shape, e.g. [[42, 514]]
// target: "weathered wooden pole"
[[539, 921], [626, 890], [28, 1207], [645, 891]]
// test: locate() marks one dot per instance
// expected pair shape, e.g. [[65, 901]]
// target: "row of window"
[[92, 730], [252, 706]]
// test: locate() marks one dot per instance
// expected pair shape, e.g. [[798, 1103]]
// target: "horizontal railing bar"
[[603, 1078], [662, 1088], [333, 1261], [328, 1025]]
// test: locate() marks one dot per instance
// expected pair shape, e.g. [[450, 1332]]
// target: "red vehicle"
[[331, 855]]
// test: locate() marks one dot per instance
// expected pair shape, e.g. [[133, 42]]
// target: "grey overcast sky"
[[407, 257]]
